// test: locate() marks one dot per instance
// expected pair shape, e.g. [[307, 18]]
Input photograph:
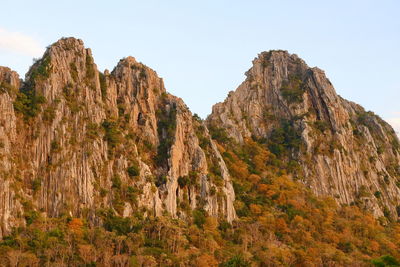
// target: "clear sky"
[[202, 48]]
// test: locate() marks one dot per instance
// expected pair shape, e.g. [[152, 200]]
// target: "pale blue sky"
[[202, 48]]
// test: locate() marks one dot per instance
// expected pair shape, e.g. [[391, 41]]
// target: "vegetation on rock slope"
[[281, 223]]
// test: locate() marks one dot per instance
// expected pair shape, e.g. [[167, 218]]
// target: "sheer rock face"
[[9, 205], [345, 152], [74, 140]]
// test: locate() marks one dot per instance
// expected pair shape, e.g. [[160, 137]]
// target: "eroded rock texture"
[[342, 150], [78, 142], [75, 141]]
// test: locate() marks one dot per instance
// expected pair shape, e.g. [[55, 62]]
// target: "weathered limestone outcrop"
[[78, 142], [343, 151], [75, 141], [9, 205]]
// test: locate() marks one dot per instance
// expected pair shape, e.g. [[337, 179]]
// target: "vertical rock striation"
[[78, 142], [343, 151], [9, 205], [75, 141]]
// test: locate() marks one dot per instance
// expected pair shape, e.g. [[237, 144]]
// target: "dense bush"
[[219, 134], [28, 102], [284, 139], [40, 70], [112, 133], [133, 170], [31, 216], [116, 181], [183, 181], [292, 90], [113, 223], [385, 260], [199, 217], [236, 261]]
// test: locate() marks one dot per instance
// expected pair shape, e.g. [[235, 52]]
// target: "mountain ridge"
[[89, 154], [64, 89], [283, 86]]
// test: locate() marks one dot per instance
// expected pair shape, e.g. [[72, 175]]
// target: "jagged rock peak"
[[65, 63], [66, 48], [9, 80], [9, 76], [275, 55], [343, 151], [84, 138], [67, 44], [128, 60], [278, 84], [128, 68], [278, 58]]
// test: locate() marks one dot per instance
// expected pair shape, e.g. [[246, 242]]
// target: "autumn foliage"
[[280, 223]]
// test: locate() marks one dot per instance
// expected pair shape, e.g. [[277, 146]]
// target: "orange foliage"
[[239, 170], [206, 260], [263, 188], [220, 148], [76, 225], [211, 224], [256, 209], [374, 246], [254, 178], [281, 225]]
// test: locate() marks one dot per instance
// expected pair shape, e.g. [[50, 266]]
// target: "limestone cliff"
[[78, 142], [75, 141], [340, 149], [9, 205]]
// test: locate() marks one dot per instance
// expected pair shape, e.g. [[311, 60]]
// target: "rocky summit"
[[108, 169], [337, 147], [75, 134]]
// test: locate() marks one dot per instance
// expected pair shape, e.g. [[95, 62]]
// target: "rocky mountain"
[[108, 169], [75, 140], [335, 147]]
